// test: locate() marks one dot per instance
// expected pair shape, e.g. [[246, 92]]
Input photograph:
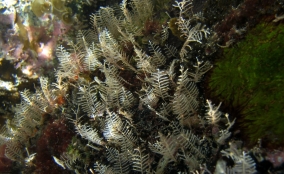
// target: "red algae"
[[5, 163], [54, 141]]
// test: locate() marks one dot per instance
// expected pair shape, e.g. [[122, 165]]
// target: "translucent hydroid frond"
[[161, 83], [119, 160], [140, 161], [88, 100], [167, 146], [14, 151], [213, 114], [200, 69], [185, 98], [157, 59]]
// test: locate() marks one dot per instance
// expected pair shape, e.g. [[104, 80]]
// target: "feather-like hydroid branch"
[[158, 59], [88, 100], [167, 147], [140, 160], [88, 133], [213, 113], [119, 160], [14, 151], [161, 83], [200, 69], [185, 98]]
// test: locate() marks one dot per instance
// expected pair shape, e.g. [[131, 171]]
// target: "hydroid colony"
[[134, 108]]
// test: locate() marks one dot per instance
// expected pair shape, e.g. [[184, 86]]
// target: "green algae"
[[251, 75]]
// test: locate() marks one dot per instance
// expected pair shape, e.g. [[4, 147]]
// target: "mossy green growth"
[[251, 75]]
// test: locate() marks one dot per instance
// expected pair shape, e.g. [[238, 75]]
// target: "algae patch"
[[251, 75]]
